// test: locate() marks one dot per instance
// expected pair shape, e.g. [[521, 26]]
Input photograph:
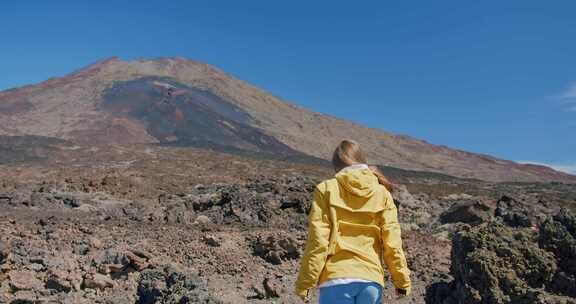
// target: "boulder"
[[275, 248], [114, 268], [259, 202], [471, 212], [178, 214], [97, 281], [501, 264], [558, 235], [168, 284], [24, 280], [137, 262], [118, 260], [498, 265], [111, 257], [202, 219], [512, 212]]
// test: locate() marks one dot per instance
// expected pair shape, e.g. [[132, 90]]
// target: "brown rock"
[[202, 219], [115, 268], [137, 262], [141, 253], [110, 257], [24, 280], [97, 281], [471, 212], [275, 248]]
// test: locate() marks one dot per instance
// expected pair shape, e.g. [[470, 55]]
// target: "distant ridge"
[[185, 102]]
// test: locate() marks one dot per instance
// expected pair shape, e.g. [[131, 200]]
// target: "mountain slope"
[[179, 101]]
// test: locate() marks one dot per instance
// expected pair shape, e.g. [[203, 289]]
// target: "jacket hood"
[[359, 182]]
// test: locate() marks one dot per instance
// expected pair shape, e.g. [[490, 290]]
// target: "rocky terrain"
[[497, 263], [169, 181], [174, 101], [170, 224]]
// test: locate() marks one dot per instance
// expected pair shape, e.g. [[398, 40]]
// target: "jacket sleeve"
[[316, 250], [392, 246]]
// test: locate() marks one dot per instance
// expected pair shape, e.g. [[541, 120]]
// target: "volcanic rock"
[[558, 235], [512, 212], [202, 219], [170, 285], [111, 256], [97, 281], [138, 262], [468, 211], [499, 264], [275, 248], [24, 280]]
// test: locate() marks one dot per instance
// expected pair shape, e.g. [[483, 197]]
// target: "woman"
[[353, 226]]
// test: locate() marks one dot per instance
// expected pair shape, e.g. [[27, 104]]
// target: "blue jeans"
[[351, 293]]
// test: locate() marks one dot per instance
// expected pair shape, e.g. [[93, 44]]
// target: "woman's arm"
[[314, 257], [392, 246]]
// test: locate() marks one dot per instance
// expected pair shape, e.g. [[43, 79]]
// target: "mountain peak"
[[182, 101], [148, 66], [95, 67]]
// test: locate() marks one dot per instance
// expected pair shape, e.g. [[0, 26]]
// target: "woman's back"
[[356, 202], [353, 226]]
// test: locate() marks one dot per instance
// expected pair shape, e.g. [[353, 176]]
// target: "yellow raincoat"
[[353, 226]]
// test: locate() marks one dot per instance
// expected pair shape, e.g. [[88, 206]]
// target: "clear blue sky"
[[495, 77]]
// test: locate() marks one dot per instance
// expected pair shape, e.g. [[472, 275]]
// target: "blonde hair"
[[348, 153]]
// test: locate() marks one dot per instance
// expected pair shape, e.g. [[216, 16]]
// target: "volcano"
[[175, 101]]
